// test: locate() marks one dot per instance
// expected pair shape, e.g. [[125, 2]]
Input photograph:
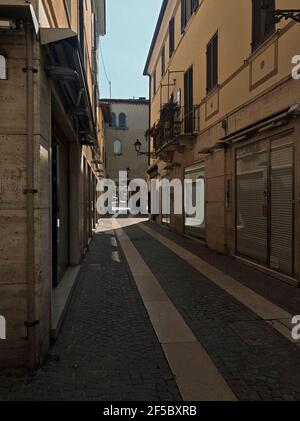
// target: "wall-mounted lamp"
[[138, 147]]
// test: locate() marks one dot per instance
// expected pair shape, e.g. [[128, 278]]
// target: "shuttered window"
[[212, 63], [171, 37], [154, 82], [188, 101], [163, 61], [188, 7], [195, 4], [263, 21]]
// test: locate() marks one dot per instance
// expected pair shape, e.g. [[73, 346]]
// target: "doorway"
[[60, 205]]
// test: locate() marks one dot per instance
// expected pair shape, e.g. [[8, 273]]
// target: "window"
[[163, 61], [188, 101], [117, 147], [113, 120], [171, 37], [263, 21], [212, 63], [154, 82], [81, 27], [188, 7], [122, 120], [3, 72]]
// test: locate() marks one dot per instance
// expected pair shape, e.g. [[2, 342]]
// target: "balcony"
[[176, 129]]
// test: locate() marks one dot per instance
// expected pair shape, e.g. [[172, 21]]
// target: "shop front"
[[265, 202]]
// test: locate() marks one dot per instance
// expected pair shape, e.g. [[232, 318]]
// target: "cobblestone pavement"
[[107, 349], [285, 296], [257, 362]]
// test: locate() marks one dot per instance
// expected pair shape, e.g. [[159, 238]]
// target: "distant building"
[[129, 121]]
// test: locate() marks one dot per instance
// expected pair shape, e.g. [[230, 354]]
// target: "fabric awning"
[[65, 65]]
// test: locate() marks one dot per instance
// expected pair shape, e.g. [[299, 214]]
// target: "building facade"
[[129, 121], [52, 147], [225, 97]]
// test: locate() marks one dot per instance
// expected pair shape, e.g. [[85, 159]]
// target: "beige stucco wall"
[[252, 86]]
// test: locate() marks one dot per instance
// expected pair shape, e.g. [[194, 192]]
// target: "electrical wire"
[[104, 67]]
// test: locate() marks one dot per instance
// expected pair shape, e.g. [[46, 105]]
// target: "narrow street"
[[199, 327]]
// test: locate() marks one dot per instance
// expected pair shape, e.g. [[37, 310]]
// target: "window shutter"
[[269, 25], [212, 63], [195, 5], [215, 60], [163, 61], [154, 82], [263, 21], [183, 15], [208, 67], [171, 37], [256, 22]]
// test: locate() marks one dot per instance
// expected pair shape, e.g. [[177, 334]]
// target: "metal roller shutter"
[[282, 209]]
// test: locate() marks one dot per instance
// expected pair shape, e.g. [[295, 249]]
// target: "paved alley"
[[152, 319]]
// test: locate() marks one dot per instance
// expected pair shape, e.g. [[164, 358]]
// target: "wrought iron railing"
[[175, 122]]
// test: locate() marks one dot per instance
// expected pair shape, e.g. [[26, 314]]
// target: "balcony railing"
[[175, 123]]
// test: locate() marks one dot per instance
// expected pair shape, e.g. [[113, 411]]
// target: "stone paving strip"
[[256, 361], [271, 313], [197, 377]]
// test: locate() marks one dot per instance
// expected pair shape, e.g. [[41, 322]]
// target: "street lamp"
[[138, 147]]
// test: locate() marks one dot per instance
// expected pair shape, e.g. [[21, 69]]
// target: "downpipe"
[[31, 323]]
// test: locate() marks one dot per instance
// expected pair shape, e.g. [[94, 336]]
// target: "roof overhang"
[[155, 36], [65, 66], [18, 10]]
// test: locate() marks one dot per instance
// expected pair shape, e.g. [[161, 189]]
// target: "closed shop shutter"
[[252, 224], [265, 203], [282, 208]]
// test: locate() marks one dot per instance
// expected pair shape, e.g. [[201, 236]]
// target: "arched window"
[[3, 72], [117, 147], [113, 120], [122, 120]]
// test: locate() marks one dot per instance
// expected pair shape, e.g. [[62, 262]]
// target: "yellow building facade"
[[51, 157], [225, 97]]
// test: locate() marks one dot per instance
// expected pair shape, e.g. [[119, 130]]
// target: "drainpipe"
[[30, 192]]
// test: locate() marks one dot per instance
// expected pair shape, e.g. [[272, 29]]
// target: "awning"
[[262, 125], [18, 10], [275, 120], [65, 65]]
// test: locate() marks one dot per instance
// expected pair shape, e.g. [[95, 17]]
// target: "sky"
[[130, 27]]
